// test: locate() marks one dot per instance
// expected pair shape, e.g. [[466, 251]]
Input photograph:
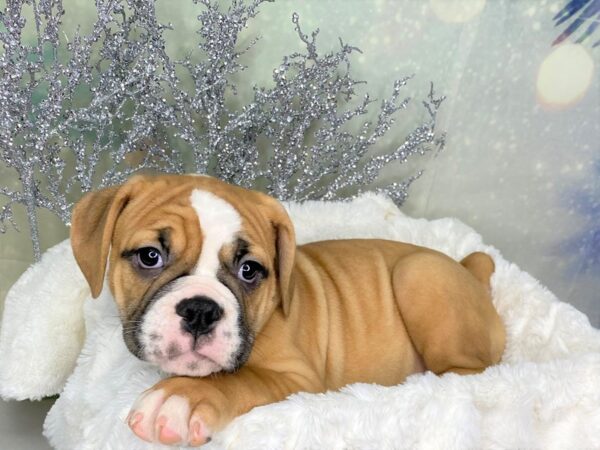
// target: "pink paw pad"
[[165, 434], [198, 433], [135, 423]]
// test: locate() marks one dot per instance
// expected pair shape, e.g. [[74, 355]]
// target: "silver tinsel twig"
[[91, 111]]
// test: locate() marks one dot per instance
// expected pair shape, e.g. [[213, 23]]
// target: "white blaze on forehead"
[[220, 223]]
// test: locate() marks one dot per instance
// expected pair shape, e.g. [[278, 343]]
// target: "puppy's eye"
[[149, 258], [249, 271]]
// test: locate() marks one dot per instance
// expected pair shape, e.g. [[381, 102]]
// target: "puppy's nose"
[[200, 314]]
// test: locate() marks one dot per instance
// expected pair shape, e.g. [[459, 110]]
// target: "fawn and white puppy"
[[208, 281]]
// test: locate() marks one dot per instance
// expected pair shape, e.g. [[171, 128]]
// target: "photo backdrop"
[[522, 117]]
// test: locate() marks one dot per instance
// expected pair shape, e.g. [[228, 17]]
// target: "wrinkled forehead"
[[220, 224], [195, 219], [230, 220]]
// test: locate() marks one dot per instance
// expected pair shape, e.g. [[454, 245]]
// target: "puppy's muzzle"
[[199, 314]]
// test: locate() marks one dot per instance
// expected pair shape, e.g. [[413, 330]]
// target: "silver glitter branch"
[[87, 111]]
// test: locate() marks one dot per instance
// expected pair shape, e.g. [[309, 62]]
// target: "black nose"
[[200, 314]]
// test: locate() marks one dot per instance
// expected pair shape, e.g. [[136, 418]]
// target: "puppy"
[[208, 281]]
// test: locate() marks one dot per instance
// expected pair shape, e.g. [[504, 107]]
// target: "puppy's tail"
[[481, 265]]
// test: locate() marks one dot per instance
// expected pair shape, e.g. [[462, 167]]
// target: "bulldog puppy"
[[208, 281]]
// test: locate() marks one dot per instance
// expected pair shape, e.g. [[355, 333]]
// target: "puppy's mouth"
[[185, 358]]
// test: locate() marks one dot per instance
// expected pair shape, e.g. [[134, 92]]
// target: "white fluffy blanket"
[[545, 394]]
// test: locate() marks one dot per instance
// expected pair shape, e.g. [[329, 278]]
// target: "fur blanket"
[[545, 394]]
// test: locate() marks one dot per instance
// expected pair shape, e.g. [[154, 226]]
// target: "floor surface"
[[21, 425]]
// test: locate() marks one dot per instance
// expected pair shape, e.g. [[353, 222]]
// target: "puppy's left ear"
[[92, 225], [285, 242], [286, 255]]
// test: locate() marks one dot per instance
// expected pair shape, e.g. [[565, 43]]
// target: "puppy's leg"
[[187, 410], [448, 312]]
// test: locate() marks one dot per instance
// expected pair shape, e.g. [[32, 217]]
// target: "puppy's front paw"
[[170, 415]]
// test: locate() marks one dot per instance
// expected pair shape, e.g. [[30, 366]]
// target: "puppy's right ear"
[[92, 225]]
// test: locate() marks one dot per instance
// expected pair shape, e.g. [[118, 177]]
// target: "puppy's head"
[[196, 266]]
